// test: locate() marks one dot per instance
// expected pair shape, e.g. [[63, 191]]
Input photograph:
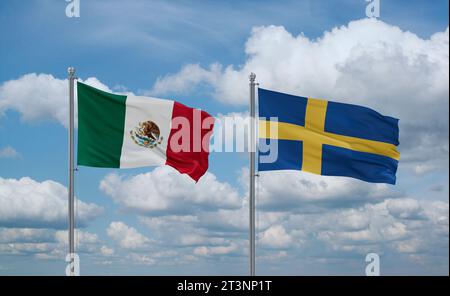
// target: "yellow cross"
[[314, 136]]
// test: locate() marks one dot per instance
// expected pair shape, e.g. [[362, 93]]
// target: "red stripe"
[[185, 152]]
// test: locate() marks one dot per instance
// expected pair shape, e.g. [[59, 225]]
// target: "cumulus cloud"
[[403, 228], [127, 237], [220, 228], [39, 97], [367, 62], [383, 226], [328, 64], [165, 191], [292, 191], [35, 96], [28, 203], [275, 237], [312, 216], [406, 208]]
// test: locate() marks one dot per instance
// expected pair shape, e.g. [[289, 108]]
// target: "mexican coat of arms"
[[146, 134]]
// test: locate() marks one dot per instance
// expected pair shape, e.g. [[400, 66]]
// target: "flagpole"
[[252, 78], [71, 73]]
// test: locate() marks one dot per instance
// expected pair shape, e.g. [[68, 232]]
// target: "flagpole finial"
[[252, 77], [71, 71]]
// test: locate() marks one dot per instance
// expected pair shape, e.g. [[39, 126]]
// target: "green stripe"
[[101, 118]]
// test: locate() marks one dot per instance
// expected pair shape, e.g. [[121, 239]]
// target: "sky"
[[200, 53]]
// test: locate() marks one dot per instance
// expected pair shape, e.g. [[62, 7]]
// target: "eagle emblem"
[[146, 134]]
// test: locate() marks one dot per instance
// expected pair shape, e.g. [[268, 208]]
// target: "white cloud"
[[85, 242], [212, 251], [276, 237], [45, 243], [338, 233], [409, 246], [39, 97], [401, 228], [323, 66], [367, 62], [406, 208], [142, 259], [25, 235], [295, 191], [36, 97], [164, 257], [273, 256], [392, 222], [352, 219], [164, 191], [84, 237], [9, 152], [28, 203], [126, 236], [322, 217], [438, 213], [106, 251], [26, 248]]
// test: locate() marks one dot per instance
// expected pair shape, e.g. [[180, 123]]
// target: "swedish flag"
[[327, 138]]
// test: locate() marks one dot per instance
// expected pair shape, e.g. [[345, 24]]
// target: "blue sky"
[[397, 65]]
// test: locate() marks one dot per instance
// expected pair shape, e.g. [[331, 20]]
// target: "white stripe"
[[139, 110]]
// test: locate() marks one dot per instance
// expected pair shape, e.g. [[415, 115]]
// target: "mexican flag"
[[125, 131]]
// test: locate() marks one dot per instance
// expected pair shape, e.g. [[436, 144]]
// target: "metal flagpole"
[[71, 72], [252, 78]]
